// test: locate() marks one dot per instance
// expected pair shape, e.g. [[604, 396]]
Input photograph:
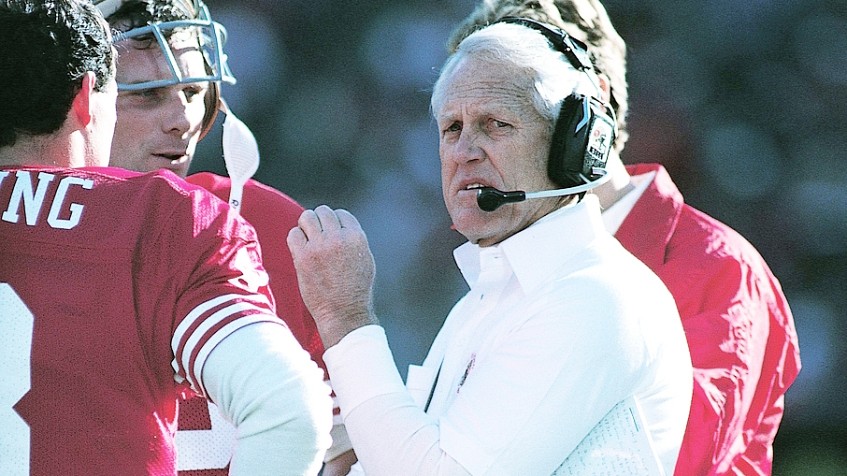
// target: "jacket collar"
[[658, 210]]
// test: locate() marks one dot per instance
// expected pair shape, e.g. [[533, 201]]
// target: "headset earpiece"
[[585, 130], [582, 140]]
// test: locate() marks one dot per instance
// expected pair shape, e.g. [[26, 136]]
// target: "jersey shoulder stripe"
[[207, 324]]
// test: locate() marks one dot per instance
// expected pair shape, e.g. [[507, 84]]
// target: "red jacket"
[[739, 329]]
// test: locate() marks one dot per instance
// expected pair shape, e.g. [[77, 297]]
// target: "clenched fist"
[[335, 270]]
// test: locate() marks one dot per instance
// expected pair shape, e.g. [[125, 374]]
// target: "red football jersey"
[[273, 213], [205, 440], [113, 287]]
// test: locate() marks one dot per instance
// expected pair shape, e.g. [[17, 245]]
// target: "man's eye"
[[453, 127], [500, 124], [144, 93], [194, 92]]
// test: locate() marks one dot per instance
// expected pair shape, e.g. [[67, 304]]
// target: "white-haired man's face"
[[491, 135]]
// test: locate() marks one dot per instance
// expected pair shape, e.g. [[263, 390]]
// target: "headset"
[[583, 135]]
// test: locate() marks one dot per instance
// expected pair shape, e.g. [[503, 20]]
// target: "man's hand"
[[335, 270], [340, 465]]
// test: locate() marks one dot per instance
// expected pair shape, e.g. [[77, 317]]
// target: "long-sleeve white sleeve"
[[390, 433], [267, 386]]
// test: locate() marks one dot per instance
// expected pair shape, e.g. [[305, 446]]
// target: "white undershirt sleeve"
[[269, 388]]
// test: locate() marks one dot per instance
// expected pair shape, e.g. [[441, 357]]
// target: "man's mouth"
[[174, 159]]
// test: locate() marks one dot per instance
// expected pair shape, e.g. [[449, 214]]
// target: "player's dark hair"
[[46, 47], [139, 13]]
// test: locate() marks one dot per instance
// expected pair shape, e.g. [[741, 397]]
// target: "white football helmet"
[[241, 154], [211, 38]]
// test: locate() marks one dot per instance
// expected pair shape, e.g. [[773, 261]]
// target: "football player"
[[121, 291], [170, 68]]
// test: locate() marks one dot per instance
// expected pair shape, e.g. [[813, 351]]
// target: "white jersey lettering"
[[206, 449], [32, 200], [59, 201], [15, 367]]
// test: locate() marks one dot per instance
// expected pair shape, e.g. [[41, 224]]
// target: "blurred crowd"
[[745, 103]]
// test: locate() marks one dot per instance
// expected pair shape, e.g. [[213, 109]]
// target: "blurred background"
[[745, 102]]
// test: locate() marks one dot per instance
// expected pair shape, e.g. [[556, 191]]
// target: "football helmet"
[[241, 154], [210, 35]]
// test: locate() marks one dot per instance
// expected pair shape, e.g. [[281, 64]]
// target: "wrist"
[[333, 329]]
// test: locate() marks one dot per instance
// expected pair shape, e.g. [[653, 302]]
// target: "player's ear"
[[81, 105]]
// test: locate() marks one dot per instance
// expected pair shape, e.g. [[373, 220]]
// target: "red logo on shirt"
[[467, 371]]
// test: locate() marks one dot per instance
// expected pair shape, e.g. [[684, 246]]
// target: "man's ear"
[[81, 105]]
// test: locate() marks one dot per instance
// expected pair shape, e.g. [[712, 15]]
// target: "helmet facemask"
[[208, 35], [241, 154]]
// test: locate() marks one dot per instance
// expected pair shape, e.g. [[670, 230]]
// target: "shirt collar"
[[538, 251]]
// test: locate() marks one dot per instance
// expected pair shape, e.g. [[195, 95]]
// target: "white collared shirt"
[[560, 324]]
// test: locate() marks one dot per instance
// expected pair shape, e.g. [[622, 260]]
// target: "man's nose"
[[177, 116], [469, 146]]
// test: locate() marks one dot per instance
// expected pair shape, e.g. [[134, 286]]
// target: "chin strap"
[[241, 154]]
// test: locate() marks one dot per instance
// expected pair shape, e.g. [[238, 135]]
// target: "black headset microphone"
[[490, 199], [582, 138]]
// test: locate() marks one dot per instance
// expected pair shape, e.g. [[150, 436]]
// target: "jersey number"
[[17, 323], [206, 449], [198, 449]]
